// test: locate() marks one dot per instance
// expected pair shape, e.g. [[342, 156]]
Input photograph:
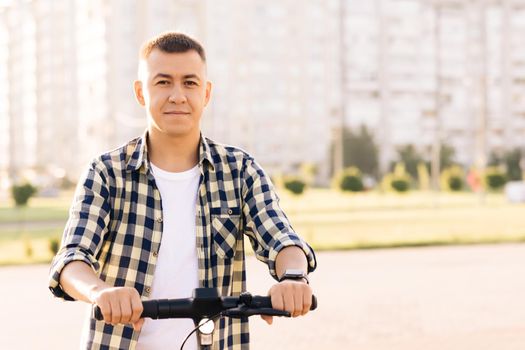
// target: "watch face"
[[294, 273]]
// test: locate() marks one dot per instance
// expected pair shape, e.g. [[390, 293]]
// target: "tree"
[[495, 159], [447, 157], [22, 193], [495, 178], [410, 157], [360, 151], [512, 161]]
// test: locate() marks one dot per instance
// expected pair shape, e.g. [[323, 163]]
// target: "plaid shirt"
[[115, 226]]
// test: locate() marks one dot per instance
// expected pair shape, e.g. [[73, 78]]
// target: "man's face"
[[174, 90]]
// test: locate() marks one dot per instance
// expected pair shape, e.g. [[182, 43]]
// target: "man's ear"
[[139, 92], [208, 93]]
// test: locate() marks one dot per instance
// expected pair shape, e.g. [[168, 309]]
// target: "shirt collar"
[[139, 154]]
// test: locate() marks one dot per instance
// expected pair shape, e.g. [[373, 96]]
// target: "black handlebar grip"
[[266, 302], [151, 310], [314, 303], [151, 307], [97, 314]]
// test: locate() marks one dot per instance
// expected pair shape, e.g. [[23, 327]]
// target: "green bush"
[[495, 179], [295, 185], [455, 183], [22, 193], [54, 244], [399, 180], [350, 180], [453, 179], [400, 184]]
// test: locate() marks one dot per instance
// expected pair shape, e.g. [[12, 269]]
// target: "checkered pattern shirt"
[[115, 226]]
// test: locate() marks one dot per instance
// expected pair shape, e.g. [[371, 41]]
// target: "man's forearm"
[[80, 281], [290, 258]]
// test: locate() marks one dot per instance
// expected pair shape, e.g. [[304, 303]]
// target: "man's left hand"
[[292, 296]]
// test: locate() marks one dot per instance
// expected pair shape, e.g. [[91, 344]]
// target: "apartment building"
[[452, 70], [286, 75]]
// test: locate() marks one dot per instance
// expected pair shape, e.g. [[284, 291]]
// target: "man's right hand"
[[119, 305]]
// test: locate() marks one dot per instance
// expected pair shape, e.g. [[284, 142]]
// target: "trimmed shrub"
[[295, 185], [453, 179], [495, 178], [399, 180], [54, 244], [400, 184], [22, 193], [350, 180]]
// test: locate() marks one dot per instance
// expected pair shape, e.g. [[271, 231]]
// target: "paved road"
[[453, 298]]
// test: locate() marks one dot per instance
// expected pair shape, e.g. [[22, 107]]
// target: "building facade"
[[285, 77], [452, 71]]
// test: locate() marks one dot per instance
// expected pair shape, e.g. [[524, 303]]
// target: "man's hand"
[[292, 296], [119, 305]]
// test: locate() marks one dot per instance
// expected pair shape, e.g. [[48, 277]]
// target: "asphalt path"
[[470, 297]]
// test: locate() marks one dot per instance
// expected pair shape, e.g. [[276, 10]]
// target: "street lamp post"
[[436, 144]]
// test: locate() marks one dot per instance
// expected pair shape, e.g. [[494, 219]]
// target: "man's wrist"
[[294, 275], [94, 291]]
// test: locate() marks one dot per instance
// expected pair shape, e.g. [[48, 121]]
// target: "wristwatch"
[[294, 274]]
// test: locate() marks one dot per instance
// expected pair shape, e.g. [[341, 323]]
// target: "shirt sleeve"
[[265, 223], [85, 228]]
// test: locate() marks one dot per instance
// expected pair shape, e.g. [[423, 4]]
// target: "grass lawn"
[[39, 209], [374, 220], [327, 220]]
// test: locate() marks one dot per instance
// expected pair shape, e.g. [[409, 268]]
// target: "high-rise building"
[[108, 37], [4, 98], [421, 69], [55, 76], [285, 77], [21, 88], [276, 88]]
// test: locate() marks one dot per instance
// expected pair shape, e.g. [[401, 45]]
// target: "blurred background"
[[383, 123], [375, 98]]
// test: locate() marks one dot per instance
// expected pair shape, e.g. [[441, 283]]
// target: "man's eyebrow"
[[162, 75], [168, 76], [191, 76]]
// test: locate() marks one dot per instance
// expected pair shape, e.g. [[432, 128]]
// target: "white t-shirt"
[[176, 273]]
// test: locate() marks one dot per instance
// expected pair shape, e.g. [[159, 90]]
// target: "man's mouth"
[[176, 113]]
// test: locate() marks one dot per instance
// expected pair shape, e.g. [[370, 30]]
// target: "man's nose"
[[177, 95]]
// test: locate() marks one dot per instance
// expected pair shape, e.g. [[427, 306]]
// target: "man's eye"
[[162, 82], [190, 83]]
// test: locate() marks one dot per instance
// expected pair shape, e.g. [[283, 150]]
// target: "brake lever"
[[247, 312]]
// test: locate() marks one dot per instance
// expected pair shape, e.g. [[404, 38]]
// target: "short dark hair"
[[171, 42]]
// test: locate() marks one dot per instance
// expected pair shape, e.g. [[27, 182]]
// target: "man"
[[168, 212]]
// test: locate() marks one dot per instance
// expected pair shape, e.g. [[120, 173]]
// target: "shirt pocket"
[[225, 230]]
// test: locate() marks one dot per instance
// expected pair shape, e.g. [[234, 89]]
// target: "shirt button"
[[159, 219], [148, 290], [155, 253], [230, 211]]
